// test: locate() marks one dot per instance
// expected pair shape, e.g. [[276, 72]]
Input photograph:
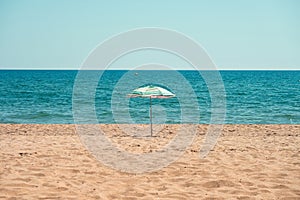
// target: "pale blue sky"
[[253, 34]]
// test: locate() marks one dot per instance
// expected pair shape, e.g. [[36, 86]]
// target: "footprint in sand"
[[219, 183]]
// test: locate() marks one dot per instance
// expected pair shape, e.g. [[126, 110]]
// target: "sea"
[[71, 96]]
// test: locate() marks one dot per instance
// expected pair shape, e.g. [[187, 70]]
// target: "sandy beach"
[[248, 162]]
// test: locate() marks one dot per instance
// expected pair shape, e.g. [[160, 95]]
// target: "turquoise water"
[[252, 97]]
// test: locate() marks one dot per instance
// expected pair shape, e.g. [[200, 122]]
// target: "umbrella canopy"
[[151, 92]]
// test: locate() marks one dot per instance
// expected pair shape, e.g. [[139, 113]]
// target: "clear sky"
[[250, 34]]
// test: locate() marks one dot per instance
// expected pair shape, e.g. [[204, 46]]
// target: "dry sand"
[[249, 162]]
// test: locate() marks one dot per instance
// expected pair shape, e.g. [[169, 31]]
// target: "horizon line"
[[72, 69]]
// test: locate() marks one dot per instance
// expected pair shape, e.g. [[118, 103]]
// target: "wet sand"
[[248, 162]]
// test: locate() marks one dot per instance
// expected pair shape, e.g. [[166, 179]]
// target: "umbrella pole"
[[151, 115]]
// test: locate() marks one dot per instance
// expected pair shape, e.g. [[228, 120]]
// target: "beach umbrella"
[[151, 92]]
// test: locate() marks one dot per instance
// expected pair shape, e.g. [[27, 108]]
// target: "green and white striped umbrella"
[[151, 92]]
